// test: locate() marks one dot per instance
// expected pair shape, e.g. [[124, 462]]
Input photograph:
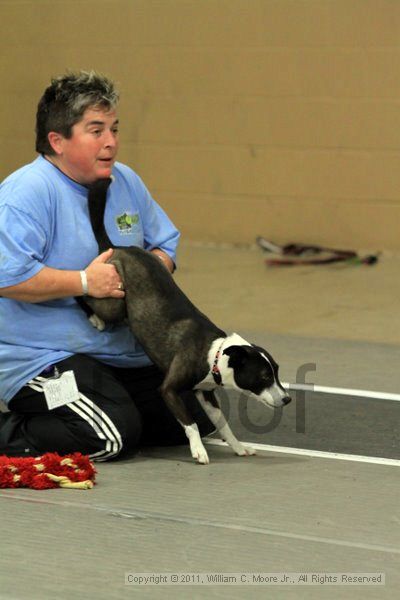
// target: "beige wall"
[[244, 117]]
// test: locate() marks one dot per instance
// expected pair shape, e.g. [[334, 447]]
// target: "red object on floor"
[[47, 471]]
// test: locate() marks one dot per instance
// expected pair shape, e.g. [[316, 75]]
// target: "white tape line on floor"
[[323, 389], [375, 460]]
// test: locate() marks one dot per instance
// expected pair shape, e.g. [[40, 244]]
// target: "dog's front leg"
[[211, 406], [178, 409]]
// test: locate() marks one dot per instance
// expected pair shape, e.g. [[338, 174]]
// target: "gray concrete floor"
[[271, 513]]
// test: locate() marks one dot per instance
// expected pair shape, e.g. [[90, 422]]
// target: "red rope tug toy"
[[47, 471]]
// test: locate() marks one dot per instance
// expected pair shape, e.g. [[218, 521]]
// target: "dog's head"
[[255, 371]]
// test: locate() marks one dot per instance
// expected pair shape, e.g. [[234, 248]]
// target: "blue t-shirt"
[[44, 221]]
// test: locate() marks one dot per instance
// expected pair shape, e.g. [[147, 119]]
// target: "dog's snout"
[[286, 400]]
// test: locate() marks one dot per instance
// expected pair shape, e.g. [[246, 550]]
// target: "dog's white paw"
[[200, 454], [97, 322], [197, 449], [203, 459], [245, 450]]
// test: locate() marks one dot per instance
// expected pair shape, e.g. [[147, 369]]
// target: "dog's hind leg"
[[211, 406]]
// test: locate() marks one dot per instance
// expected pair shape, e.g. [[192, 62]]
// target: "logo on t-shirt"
[[126, 222]]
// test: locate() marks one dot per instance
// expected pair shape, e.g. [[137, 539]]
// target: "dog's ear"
[[237, 355]]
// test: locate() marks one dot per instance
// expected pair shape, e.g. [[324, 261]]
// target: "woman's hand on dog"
[[103, 279]]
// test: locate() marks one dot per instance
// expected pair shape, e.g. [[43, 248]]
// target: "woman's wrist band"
[[85, 288]]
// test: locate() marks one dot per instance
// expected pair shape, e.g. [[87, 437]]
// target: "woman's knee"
[[108, 432]]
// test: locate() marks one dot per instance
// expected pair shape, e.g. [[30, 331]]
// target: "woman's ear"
[[56, 141]]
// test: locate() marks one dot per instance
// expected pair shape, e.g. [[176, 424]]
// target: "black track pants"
[[118, 410]]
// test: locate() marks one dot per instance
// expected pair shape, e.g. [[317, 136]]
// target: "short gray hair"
[[66, 99]]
